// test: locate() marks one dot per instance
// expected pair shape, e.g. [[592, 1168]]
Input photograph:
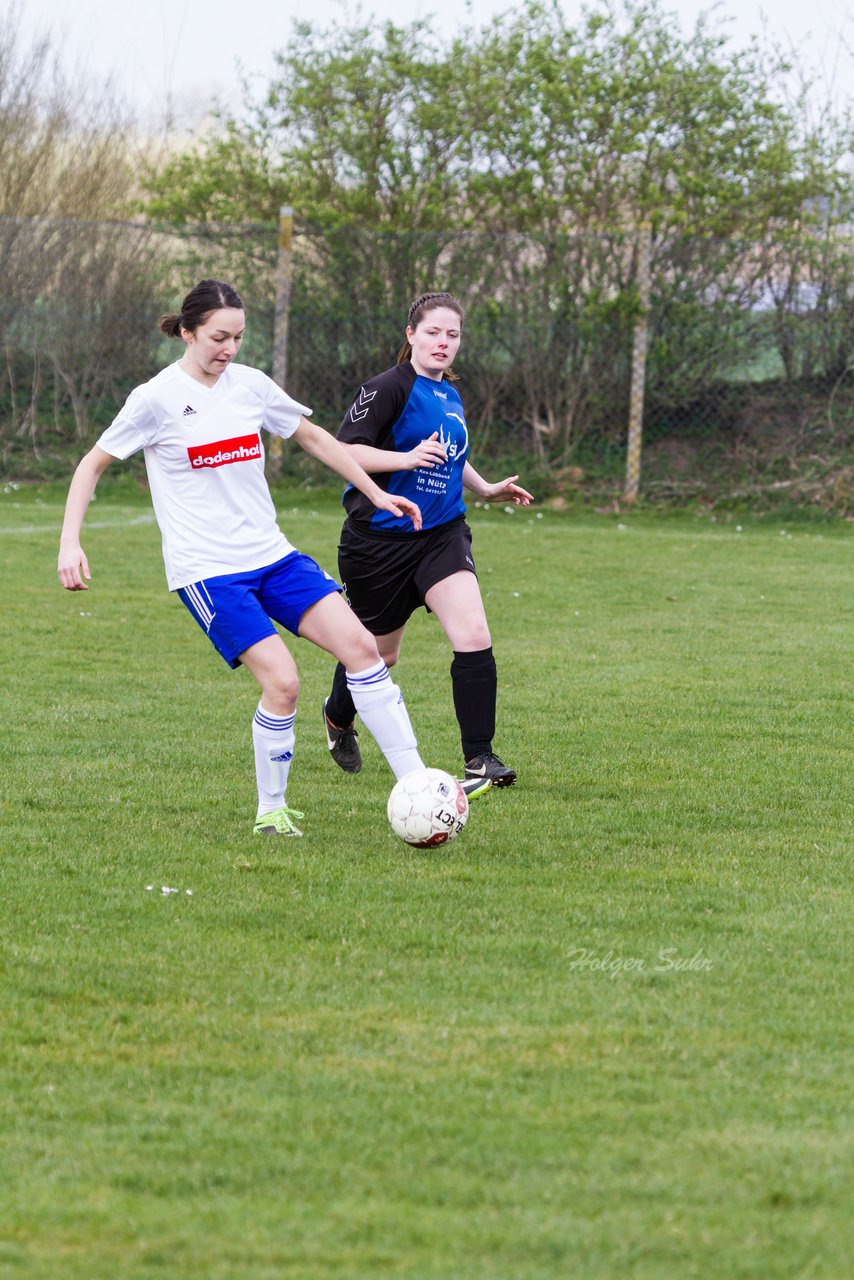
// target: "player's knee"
[[475, 636], [362, 652], [388, 653], [281, 692]]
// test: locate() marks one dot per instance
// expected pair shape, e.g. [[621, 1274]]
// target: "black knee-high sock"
[[475, 684], [340, 709]]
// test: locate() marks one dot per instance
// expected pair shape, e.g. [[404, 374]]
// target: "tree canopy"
[[528, 123]]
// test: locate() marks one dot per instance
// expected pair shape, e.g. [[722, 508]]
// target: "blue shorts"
[[236, 610]]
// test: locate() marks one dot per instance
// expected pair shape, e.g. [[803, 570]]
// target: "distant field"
[[606, 1033]]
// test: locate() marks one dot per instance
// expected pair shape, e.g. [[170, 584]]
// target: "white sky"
[[186, 52]]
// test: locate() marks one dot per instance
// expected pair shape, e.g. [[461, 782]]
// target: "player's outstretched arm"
[[506, 490], [72, 564], [427, 454], [323, 446]]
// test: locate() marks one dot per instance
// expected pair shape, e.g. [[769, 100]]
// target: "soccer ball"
[[427, 808]]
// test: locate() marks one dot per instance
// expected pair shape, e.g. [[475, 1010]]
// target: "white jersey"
[[205, 464]]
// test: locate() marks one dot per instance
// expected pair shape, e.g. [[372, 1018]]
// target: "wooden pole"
[[633, 460], [284, 271]]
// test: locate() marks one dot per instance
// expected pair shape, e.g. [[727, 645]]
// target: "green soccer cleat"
[[474, 787], [279, 822]]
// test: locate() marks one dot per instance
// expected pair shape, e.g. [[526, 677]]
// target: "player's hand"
[[508, 491], [72, 563], [401, 507], [429, 453]]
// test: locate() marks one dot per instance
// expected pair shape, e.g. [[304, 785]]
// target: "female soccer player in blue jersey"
[[407, 428], [199, 422]]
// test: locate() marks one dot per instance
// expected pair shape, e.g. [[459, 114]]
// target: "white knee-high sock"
[[273, 740], [380, 704]]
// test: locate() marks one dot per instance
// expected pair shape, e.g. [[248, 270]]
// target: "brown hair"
[[424, 303], [203, 299]]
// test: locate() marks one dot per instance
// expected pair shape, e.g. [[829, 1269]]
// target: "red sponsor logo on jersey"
[[221, 452]]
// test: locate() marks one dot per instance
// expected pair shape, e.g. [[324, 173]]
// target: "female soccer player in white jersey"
[[407, 428], [199, 423]]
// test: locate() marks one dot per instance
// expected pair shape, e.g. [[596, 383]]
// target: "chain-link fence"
[[749, 371]]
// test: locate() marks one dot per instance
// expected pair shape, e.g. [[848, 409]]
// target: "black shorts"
[[386, 576]]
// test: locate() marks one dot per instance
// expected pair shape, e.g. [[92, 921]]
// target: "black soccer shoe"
[[342, 744], [489, 766]]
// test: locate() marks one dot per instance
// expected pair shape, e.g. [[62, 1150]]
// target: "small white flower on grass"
[[511, 511], [539, 515], [738, 528], [622, 528], [148, 888], [517, 595]]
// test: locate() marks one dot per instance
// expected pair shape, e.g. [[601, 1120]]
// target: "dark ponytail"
[[171, 326]]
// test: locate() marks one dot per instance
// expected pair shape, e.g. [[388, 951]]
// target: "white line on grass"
[[147, 518]]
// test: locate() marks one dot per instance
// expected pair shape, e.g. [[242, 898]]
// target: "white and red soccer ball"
[[427, 808]]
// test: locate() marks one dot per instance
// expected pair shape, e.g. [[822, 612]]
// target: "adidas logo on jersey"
[[189, 409]]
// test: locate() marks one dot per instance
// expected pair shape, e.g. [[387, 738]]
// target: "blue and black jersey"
[[396, 410]]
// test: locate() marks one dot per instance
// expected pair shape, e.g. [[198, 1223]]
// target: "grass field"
[[607, 1033]]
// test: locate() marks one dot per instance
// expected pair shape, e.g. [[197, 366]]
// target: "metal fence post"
[[633, 459], [284, 271]]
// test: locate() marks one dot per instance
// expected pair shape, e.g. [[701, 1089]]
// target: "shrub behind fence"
[[749, 347]]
